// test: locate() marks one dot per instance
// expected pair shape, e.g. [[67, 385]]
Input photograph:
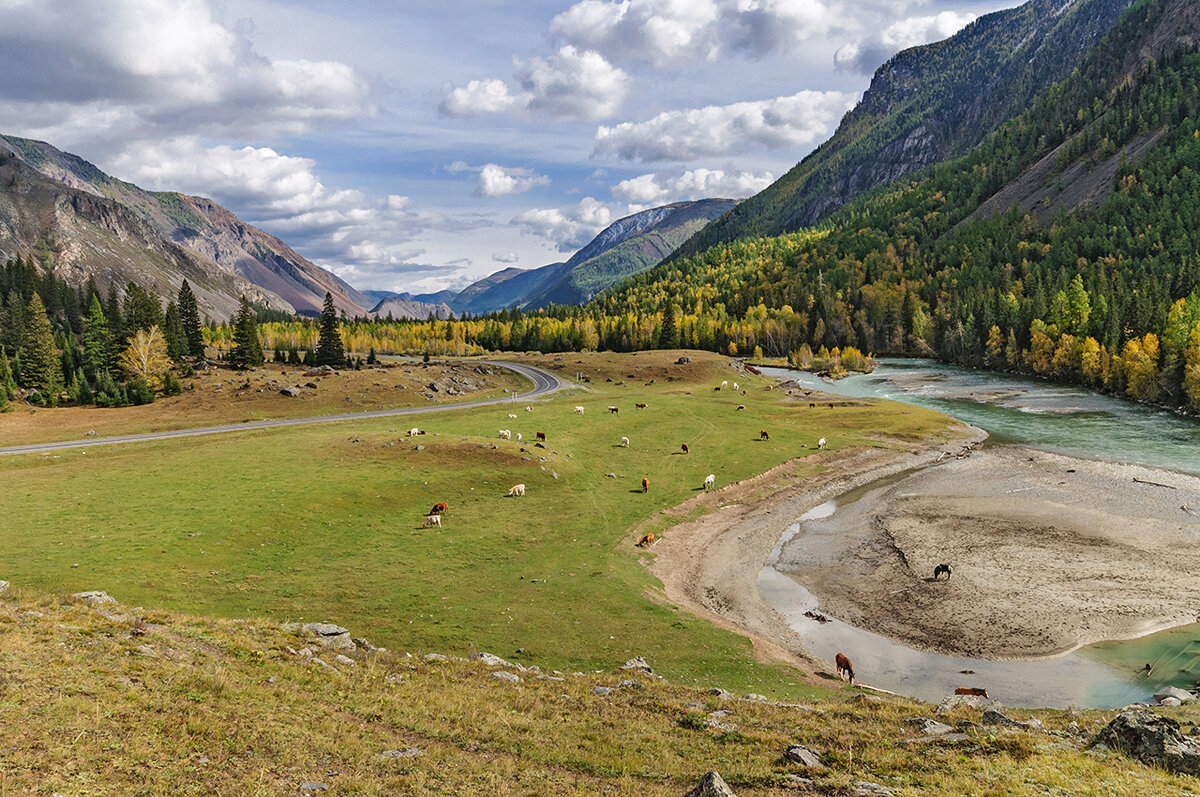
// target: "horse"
[[937, 572], [844, 666]]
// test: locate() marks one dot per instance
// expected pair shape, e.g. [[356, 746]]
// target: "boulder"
[[864, 788], [993, 717], [292, 392], [721, 693], [711, 785], [630, 683], [928, 727], [492, 660], [95, 597], [1152, 739], [320, 370], [602, 690], [1170, 701], [330, 635], [1182, 695], [799, 754], [511, 677], [959, 701], [638, 664]]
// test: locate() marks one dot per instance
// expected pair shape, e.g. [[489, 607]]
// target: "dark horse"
[[937, 572]]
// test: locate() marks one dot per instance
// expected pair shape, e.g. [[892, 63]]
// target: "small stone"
[[95, 597], [602, 690], [756, 697], [864, 788], [405, 752], [950, 738], [345, 660], [711, 785], [145, 650], [630, 683], [928, 727], [436, 657], [799, 754], [507, 676], [309, 788], [3, 587]]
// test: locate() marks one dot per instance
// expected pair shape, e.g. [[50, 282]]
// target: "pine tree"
[[97, 341], [173, 332], [8, 385], [40, 365], [247, 350], [330, 350], [189, 320], [669, 338]]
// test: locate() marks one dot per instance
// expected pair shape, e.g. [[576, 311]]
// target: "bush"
[[171, 386], [109, 393], [140, 392]]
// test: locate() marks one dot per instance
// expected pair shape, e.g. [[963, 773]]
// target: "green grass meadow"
[[323, 522]]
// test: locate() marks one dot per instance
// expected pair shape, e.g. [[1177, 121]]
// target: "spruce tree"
[[173, 332], [669, 338], [189, 320], [40, 366], [8, 385], [330, 350], [97, 341], [247, 351]]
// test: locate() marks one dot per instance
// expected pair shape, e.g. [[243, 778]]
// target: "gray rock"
[[406, 752], [638, 664], [797, 782], [309, 788], [1152, 739], [292, 392], [330, 635], [993, 717], [756, 697], [720, 693], [95, 597], [1182, 695], [1170, 701], [711, 785], [928, 727], [864, 788], [799, 754], [511, 677], [493, 660], [3, 587], [630, 683], [950, 738], [602, 690], [145, 651], [345, 660], [969, 701]]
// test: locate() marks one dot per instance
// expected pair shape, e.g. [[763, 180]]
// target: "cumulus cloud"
[[717, 130], [869, 54], [497, 181], [649, 190], [569, 228], [570, 84], [506, 257]]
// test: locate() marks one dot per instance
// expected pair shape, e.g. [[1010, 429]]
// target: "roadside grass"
[[220, 395], [126, 701], [323, 522]]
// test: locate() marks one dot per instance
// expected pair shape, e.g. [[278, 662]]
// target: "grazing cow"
[[518, 437], [822, 443], [624, 442], [753, 370], [578, 411], [844, 666], [718, 387], [735, 386], [710, 481], [529, 409], [512, 415], [541, 436], [614, 410], [811, 405], [685, 448], [974, 691], [505, 434], [515, 490], [831, 405], [432, 520], [724, 383], [741, 406], [645, 485], [413, 432], [640, 406], [439, 508], [937, 571], [646, 541], [763, 435]]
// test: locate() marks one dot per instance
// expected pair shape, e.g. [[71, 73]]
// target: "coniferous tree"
[[8, 385], [97, 341], [247, 350], [189, 321], [173, 332], [41, 368], [330, 350], [669, 338]]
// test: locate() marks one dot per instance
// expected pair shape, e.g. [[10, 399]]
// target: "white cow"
[[413, 432], [710, 481], [529, 409], [518, 437], [432, 520], [724, 383], [505, 434], [515, 490], [579, 410], [822, 443], [624, 442], [512, 415], [735, 386]]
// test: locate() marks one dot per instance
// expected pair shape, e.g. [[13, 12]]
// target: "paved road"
[[544, 383]]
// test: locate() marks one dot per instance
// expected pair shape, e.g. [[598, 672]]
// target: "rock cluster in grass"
[[1153, 739], [94, 597]]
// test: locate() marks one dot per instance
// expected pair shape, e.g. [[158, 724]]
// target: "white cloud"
[[868, 54], [506, 257], [649, 190], [718, 130], [497, 181], [570, 84], [568, 228]]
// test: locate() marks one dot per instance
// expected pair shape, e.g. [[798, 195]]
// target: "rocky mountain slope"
[[924, 106], [199, 227], [628, 246], [399, 308]]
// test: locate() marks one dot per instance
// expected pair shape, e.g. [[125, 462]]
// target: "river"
[[1019, 411]]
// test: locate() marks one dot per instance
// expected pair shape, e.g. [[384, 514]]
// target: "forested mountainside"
[[74, 206], [926, 105]]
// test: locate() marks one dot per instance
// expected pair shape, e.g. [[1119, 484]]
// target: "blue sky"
[[417, 145]]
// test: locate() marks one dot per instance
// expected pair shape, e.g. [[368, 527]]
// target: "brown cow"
[[685, 448], [647, 541], [640, 406], [645, 485], [541, 436], [439, 508], [973, 691], [764, 436], [844, 666]]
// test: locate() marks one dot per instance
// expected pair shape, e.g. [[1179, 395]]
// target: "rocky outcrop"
[[711, 785], [1152, 739]]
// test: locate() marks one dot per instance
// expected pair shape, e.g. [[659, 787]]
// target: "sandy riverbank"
[[1049, 552]]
